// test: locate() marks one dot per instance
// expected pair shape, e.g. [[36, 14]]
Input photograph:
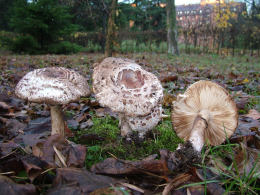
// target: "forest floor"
[[27, 152]]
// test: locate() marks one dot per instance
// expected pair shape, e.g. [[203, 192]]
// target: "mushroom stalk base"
[[197, 135], [57, 121], [124, 126]]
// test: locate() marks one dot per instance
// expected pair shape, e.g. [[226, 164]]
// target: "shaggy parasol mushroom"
[[205, 112], [133, 93], [54, 86]]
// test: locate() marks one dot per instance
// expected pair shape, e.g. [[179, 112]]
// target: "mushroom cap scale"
[[125, 87], [52, 85], [211, 102], [145, 123]]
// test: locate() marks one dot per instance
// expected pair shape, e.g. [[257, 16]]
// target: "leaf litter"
[[57, 165]]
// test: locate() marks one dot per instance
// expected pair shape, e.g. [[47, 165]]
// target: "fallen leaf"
[[246, 127], [102, 112], [246, 159], [176, 182], [254, 114], [168, 99], [90, 138], [78, 181], [245, 80], [168, 77], [7, 186], [213, 188], [241, 103], [34, 166], [89, 123], [170, 162], [7, 147], [74, 153], [13, 127], [117, 167]]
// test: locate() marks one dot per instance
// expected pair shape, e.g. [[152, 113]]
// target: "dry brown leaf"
[[7, 186], [246, 158], [34, 166], [176, 182], [73, 154], [254, 114], [79, 181]]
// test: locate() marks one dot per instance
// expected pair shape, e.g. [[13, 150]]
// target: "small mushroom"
[[54, 86], [204, 113], [133, 93]]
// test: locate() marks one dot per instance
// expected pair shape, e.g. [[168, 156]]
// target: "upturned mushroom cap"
[[211, 102], [125, 87], [52, 85]]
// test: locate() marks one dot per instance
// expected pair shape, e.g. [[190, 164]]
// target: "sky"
[[181, 2]]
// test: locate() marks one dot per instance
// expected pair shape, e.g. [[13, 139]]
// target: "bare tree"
[[171, 28], [110, 37]]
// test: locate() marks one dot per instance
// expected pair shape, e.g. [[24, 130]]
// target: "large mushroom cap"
[[52, 85], [145, 123], [125, 87], [212, 103]]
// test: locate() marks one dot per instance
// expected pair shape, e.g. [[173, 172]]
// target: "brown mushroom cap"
[[52, 85], [211, 102], [125, 87]]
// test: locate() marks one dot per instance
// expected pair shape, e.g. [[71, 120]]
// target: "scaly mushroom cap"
[[52, 85], [125, 87], [212, 103], [145, 123]]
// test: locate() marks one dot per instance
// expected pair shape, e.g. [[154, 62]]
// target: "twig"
[[8, 154], [7, 173], [60, 156], [50, 169], [132, 187]]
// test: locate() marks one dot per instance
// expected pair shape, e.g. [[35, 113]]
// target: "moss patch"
[[108, 141]]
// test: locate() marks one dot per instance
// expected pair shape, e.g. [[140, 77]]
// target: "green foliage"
[[64, 47], [131, 46], [5, 6], [6, 39], [92, 47], [147, 15], [128, 46], [25, 44], [46, 21], [163, 47]]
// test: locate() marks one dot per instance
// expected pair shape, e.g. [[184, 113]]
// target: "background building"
[[204, 13]]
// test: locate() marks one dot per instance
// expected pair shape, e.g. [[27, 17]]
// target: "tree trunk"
[[171, 28], [110, 37]]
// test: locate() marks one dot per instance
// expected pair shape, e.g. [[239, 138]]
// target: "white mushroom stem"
[[165, 116], [197, 133], [124, 126], [57, 121]]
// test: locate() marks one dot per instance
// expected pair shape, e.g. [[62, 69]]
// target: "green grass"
[[233, 178], [161, 137], [228, 174], [221, 160]]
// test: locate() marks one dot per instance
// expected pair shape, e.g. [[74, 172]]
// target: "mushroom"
[[133, 93], [54, 86], [205, 112]]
